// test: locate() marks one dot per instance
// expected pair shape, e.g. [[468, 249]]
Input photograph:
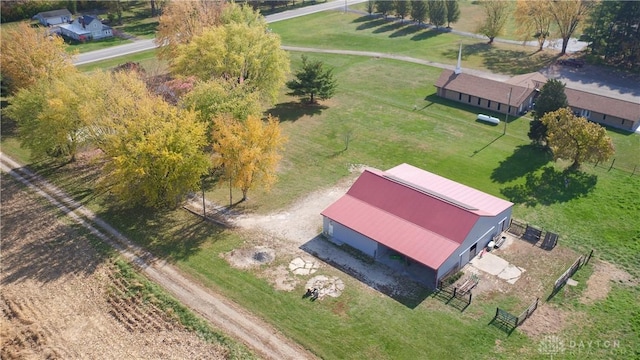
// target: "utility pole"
[[506, 118], [204, 208]]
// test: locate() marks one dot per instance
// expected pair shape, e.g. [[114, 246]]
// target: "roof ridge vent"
[[429, 192]]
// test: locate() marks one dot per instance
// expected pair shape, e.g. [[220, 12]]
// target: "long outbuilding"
[[517, 95]]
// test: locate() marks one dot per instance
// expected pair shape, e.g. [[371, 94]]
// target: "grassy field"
[[393, 116], [471, 17], [439, 136], [336, 30], [147, 59]]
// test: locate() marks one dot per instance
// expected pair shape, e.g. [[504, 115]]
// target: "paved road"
[[143, 45], [263, 338]]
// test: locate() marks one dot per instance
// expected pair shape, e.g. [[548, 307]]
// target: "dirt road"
[[223, 314]]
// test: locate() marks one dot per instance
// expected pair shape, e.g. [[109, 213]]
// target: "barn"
[[428, 225]]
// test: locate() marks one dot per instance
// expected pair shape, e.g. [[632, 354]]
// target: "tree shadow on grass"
[[393, 26], [426, 34], [172, 235], [516, 62], [364, 18], [468, 50], [512, 62], [408, 29], [371, 23], [292, 111], [525, 159], [551, 186]]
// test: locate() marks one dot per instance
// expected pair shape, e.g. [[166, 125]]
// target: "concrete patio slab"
[[497, 266], [489, 263]]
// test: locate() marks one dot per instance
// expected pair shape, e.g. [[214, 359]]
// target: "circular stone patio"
[[300, 266], [331, 286]]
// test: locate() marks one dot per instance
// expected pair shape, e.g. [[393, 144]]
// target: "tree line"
[[159, 139]]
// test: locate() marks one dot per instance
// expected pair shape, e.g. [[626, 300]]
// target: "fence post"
[[613, 162], [455, 290], [589, 257]]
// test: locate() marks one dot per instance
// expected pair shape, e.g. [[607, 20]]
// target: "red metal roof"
[[399, 210], [398, 234], [484, 203]]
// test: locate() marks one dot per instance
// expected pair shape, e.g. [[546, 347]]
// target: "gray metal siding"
[[481, 233], [344, 235]]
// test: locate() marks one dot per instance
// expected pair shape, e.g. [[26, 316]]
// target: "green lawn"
[[336, 30], [146, 58], [391, 111], [95, 44], [471, 17], [375, 101]]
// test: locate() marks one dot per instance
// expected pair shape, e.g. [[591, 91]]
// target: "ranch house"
[[86, 28], [518, 94], [418, 222]]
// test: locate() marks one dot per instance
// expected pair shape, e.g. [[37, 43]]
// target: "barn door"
[[473, 251]]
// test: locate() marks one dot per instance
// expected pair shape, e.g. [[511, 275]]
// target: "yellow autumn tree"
[[153, 151], [576, 139], [248, 152], [243, 53], [28, 55], [50, 116], [568, 15], [182, 20], [533, 19]]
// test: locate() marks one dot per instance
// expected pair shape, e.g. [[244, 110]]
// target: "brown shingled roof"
[[602, 104], [485, 88]]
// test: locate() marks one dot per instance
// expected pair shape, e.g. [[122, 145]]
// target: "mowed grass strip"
[[336, 30]]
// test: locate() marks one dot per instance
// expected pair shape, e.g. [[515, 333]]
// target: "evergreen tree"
[[371, 6], [453, 12], [614, 32], [551, 98], [419, 11], [402, 8], [437, 12], [312, 82], [384, 7]]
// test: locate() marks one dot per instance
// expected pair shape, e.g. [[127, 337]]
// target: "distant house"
[[494, 95], [86, 28], [53, 17], [435, 225]]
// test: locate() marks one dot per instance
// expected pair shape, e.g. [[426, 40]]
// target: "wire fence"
[[620, 165]]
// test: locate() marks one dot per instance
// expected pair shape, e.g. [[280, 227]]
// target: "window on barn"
[[489, 103], [499, 106], [469, 99], [460, 96], [479, 101]]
